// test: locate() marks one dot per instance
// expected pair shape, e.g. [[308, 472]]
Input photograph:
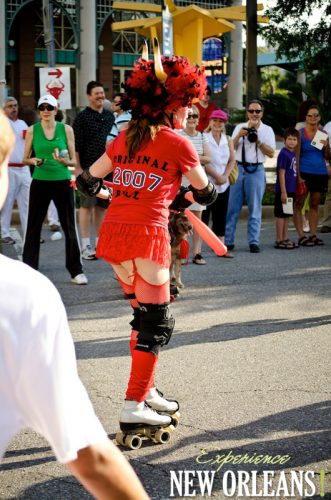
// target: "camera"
[[251, 134]]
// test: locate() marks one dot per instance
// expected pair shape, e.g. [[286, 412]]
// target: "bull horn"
[[159, 72], [144, 54]]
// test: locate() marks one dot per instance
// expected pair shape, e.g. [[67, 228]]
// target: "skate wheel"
[[175, 419], [162, 436], [120, 438], [133, 442]]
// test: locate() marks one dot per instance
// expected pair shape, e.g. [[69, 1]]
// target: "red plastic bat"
[[204, 231]]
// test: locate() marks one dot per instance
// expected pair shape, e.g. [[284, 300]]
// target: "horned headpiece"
[[162, 85]]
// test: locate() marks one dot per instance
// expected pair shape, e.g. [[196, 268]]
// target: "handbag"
[[233, 175], [301, 188]]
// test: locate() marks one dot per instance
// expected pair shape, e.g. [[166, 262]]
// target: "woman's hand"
[[222, 179], [64, 160], [36, 162]]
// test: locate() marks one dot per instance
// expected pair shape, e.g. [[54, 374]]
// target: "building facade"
[[83, 39]]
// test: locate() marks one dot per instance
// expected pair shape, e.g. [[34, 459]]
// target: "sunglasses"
[[46, 107], [194, 117], [256, 111], [315, 115]]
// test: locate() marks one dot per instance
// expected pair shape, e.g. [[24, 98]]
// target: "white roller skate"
[[158, 402], [138, 421]]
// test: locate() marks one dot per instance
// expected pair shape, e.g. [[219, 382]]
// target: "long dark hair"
[[142, 130]]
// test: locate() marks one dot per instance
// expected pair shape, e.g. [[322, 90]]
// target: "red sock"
[[133, 340], [142, 373]]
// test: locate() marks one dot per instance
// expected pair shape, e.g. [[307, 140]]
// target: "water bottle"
[[64, 153]]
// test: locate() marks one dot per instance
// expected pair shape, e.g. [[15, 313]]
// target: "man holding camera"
[[253, 142]]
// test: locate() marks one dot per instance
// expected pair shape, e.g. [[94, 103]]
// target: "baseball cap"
[[48, 99], [219, 114]]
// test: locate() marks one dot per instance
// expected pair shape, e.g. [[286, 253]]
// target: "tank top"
[[311, 159], [50, 170]]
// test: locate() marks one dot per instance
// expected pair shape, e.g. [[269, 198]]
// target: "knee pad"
[[135, 323], [156, 327]]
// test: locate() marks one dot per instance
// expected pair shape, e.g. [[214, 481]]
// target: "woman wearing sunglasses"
[[200, 142], [53, 146], [312, 169]]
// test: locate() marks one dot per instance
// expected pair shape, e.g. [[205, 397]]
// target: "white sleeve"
[[268, 137], [53, 400]]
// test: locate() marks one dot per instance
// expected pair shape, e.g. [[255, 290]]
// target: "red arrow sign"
[[57, 73]]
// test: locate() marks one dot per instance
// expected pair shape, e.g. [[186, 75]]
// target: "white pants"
[[18, 190], [52, 215]]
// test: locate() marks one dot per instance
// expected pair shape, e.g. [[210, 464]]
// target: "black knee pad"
[[135, 323], [156, 327]]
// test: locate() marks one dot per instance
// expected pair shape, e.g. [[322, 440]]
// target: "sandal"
[[291, 243], [284, 245], [305, 242], [316, 241], [227, 255], [198, 259]]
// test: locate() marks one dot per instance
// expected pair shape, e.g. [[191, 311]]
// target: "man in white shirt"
[[253, 142], [19, 174], [39, 383], [326, 221], [122, 118]]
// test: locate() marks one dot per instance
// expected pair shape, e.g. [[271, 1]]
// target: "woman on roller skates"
[[147, 161]]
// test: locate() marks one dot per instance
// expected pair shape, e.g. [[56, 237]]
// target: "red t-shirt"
[[204, 115], [144, 187]]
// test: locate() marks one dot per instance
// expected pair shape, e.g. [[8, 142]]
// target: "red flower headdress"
[[162, 85]]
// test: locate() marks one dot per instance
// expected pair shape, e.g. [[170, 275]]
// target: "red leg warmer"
[[142, 372]]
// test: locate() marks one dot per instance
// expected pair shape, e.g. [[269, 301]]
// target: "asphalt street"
[[249, 363]]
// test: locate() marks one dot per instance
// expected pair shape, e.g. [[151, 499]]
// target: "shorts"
[[90, 202], [278, 209], [120, 242], [315, 183]]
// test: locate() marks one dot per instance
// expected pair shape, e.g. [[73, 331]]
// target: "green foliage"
[[279, 112], [291, 32], [293, 36]]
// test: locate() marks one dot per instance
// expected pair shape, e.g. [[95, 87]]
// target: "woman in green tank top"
[[54, 151]]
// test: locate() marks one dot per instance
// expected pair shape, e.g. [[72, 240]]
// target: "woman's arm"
[[68, 161], [102, 167], [297, 157], [231, 160], [28, 149], [197, 177], [205, 158]]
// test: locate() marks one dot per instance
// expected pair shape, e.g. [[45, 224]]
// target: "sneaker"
[[88, 253], [253, 248], [54, 227], [80, 279], [8, 240]]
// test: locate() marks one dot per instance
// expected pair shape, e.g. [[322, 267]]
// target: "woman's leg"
[[315, 200], [150, 284], [64, 200], [38, 203], [297, 216]]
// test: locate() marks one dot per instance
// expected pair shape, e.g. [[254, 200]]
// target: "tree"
[[290, 31], [292, 35]]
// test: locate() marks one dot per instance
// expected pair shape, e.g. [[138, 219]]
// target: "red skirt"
[[120, 242]]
